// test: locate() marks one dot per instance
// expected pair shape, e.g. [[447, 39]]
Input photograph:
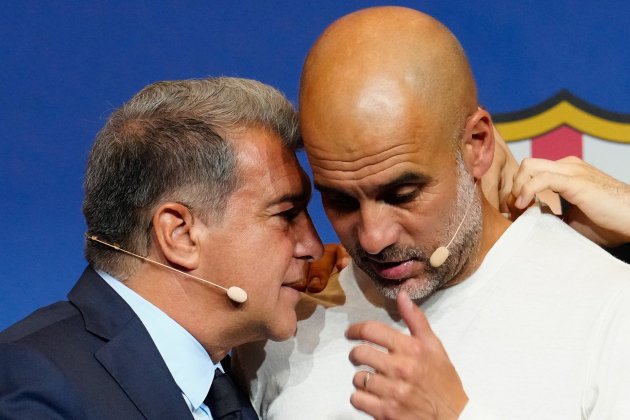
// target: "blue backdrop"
[[66, 64]]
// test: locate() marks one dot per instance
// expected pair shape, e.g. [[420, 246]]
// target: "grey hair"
[[170, 142]]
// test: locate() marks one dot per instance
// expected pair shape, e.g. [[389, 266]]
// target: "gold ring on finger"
[[366, 379]]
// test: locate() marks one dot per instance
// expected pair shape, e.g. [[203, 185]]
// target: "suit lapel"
[[129, 353], [132, 359]]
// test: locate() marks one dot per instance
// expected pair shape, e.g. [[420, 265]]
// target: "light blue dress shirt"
[[189, 363]]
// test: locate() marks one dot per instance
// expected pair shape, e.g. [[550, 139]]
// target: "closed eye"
[[290, 214], [339, 202], [401, 195]]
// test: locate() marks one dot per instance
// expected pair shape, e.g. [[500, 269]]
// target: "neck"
[[494, 224], [200, 310]]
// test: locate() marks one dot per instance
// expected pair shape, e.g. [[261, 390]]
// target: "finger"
[[375, 332], [343, 258], [378, 384], [504, 195], [528, 168], [367, 355], [368, 403], [490, 187], [412, 315], [365, 380], [514, 211], [508, 169], [317, 283], [319, 271], [367, 396], [384, 398], [566, 166], [562, 184], [574, 160], [531, 167], [301, 285], [343, 262], [505, 186]]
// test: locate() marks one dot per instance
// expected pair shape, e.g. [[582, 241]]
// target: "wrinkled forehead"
[[368, 126]]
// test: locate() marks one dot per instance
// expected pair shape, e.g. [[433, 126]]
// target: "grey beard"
[[463, 248]]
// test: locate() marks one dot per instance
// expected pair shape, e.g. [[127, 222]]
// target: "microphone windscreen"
[[438, 257], [236, 294]]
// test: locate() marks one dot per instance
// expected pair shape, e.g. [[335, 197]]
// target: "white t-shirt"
[[540, 331]]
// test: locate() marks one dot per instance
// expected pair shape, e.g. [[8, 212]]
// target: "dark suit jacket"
[[89, 358]]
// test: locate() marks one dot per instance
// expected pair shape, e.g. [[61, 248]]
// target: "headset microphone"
[[440, 255], [236, 294]]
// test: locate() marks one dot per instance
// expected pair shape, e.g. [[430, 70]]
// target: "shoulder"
[[53, 340], [556, 245], [41, 321], [33, 386]]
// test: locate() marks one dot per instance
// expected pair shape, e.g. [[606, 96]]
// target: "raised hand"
[[319, 271], [411, 375]]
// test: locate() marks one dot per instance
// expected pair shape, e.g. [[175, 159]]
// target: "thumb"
[[412, 315]]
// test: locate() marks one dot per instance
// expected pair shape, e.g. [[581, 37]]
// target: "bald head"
[[389, 118], [382, 62]]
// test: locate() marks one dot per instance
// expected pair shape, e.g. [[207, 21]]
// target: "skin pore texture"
[[397, 143]]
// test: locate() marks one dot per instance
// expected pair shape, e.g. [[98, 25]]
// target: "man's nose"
[[308, 246], [376, 229]]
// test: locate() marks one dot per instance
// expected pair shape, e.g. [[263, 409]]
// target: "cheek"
[[273, 262], [421, 223], [432, 226]]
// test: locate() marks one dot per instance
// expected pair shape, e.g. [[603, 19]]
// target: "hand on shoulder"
[[600, 204]]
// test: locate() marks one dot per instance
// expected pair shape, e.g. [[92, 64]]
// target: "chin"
[[416, 288], [284, 337], [284, 329]]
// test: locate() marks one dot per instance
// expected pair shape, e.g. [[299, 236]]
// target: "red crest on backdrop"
[[565, 125]]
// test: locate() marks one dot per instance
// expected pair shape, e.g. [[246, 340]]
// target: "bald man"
[[507, 320]]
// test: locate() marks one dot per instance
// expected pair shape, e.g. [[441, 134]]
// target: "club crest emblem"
[[565, 125]]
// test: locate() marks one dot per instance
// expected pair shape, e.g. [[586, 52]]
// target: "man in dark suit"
[[188, 183]]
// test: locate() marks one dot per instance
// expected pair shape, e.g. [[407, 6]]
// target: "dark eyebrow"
[[406, 178], [402, 179]]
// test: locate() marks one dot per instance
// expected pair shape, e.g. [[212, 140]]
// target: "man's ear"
[[175, 235], [478, 145]]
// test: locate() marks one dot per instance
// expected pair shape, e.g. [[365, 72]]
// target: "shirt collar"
[[186, 359]]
